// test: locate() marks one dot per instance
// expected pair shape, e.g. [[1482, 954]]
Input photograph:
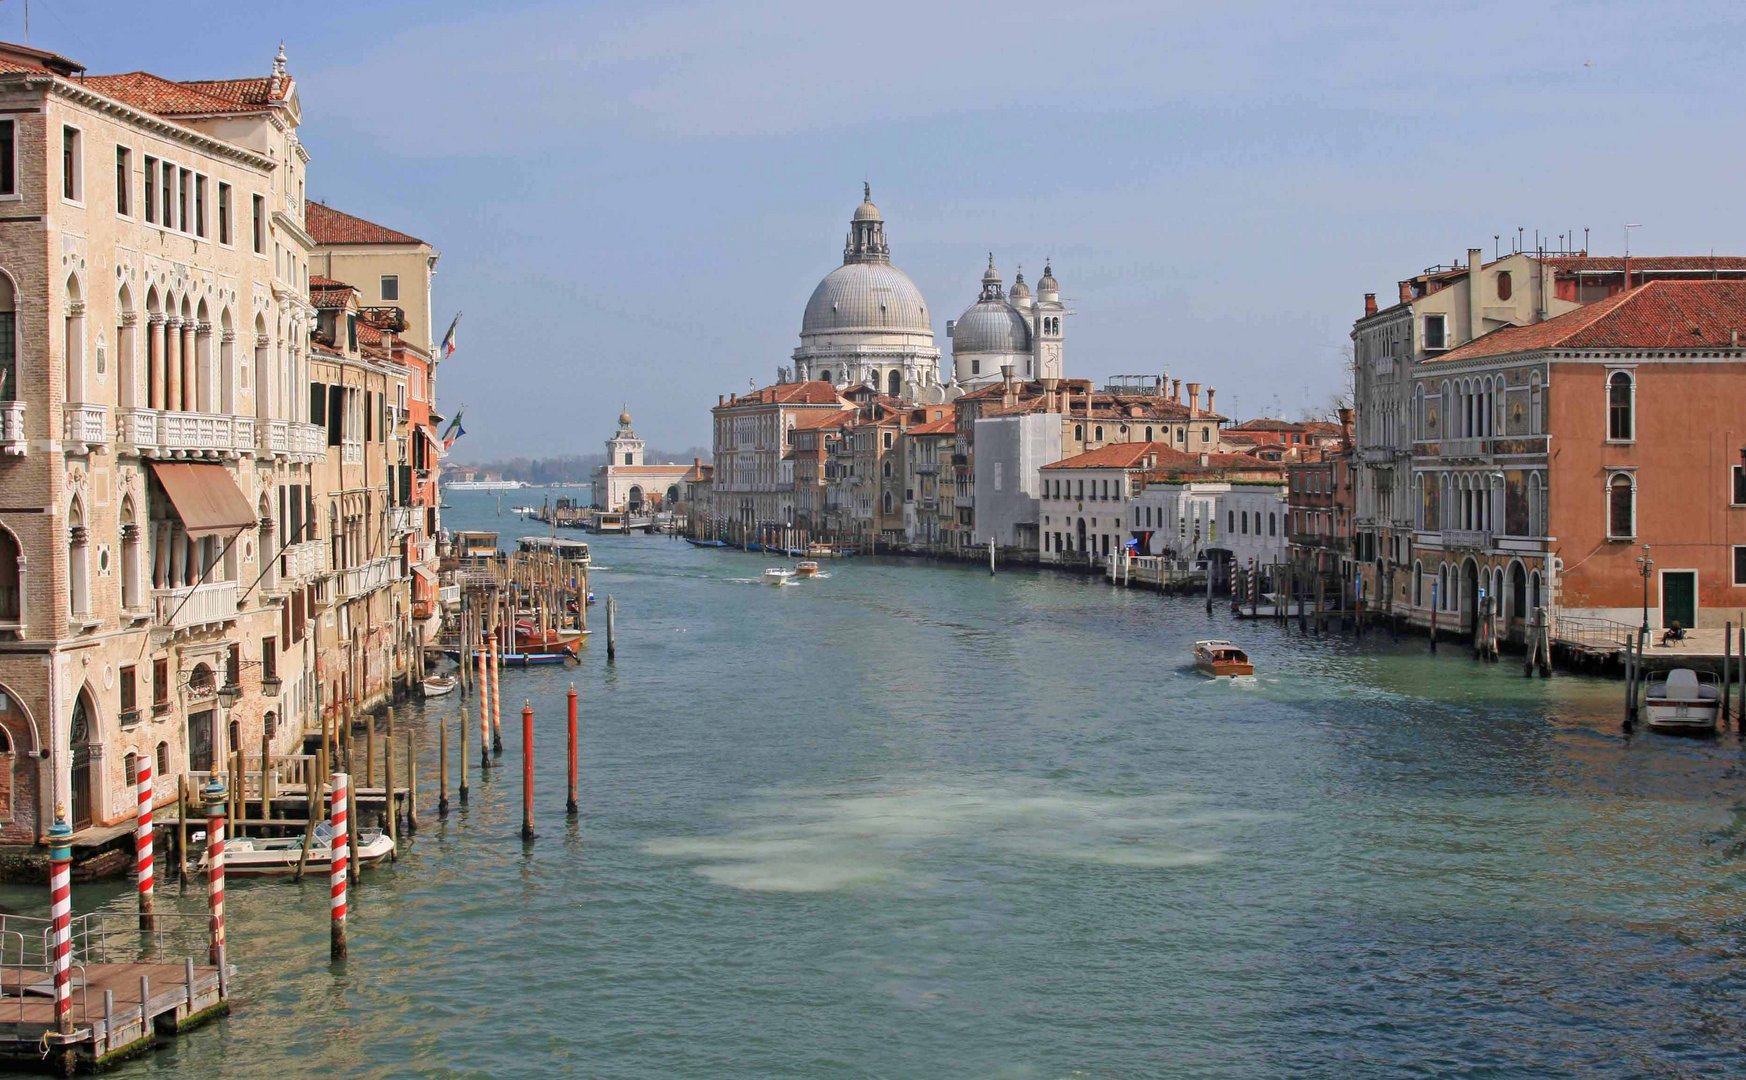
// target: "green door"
[[1679, 598]]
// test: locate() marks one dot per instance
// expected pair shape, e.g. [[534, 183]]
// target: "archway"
[[634, 498], [894, 383], [672, 495], [1470, 595], [1079, 534], [19, 764], [1518, 593], [81, 737]]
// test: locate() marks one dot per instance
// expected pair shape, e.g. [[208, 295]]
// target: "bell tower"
[[624, 448], [1047, 316]]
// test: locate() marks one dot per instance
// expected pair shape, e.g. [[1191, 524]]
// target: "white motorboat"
[[1682, 700], [777, 575], [255, 855], [438, 685]]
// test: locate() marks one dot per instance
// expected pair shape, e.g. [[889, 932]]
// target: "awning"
[[421, 571], [206, 498]]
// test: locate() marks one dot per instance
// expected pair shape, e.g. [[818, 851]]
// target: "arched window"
[[1230, 522], [1536, 404], [8, 340], [1079, 432], [886, 502], [1536, 503], [1621, 425], [1098, 435], [1505, 287], [79, 568], [11, 579], [1534, 603], [1418, 584], [131, 599], [1272, 523], [1148, 434], [73, 341], [824, 375], [894, 384], [1621, 507], [888, 440], [1418, 412], [163, 768]]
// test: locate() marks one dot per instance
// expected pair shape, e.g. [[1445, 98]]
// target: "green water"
[[914, 821]]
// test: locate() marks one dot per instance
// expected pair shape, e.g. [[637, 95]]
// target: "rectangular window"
[[130, 688], [269, 658], [1436, 333], [233, 665], [260, 205], [123, 178], [72, 184], [151, 189], [184, 215], [390, 287], [161, 683], [200, 206], [223, 213], [1740, 566], [8, 158], [167, 217]]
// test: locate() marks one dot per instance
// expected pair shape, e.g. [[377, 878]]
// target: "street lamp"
[[1644, 566]]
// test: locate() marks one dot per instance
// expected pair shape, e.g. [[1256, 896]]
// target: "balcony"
[[305, 560], [351, 453], [87, 427], [1376, 455], [1466, 539], [212, 604], [927, 468], [275, 438], [159, 433], [368, 577], [1466, 450], [308, 441], [12, 428], [403, 520]]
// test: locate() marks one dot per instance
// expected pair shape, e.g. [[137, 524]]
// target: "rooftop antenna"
[[1628, 227], [1585, 239], [1519, 231], [1496, 249]]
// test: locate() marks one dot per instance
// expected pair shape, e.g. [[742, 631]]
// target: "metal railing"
[[378, 572], [1592, 632]]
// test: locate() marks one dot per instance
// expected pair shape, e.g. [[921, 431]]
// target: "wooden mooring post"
[[389, 807], [611, 630], [411, 784], [496, 698], [443, 766], [570, 802], [484, 714]]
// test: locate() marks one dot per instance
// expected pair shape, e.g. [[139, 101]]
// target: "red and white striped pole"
[[214, 793], [340, 852], [61, 916], [570, 803], [527, 770], [142, 844]]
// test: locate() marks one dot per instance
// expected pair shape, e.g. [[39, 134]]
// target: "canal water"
[[916, 821]]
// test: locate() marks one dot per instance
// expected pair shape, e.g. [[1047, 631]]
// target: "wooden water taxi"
[[806, 568], [1682, 700], [777, 575], [1221, 659]]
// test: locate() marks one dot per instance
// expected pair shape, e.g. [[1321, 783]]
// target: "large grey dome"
[[990, 326], [866, 296]]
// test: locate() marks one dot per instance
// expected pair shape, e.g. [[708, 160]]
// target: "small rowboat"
[[806, 568], [261, 856], [1682, 700], [777, 575], [706, 543], [522, 659], [438, 685], [1221, 660]]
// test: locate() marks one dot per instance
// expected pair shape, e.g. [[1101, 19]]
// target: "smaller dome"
[[1048, 284], [867, 211], [624, 419], [1019, 291], [991, 276], [990, 326]]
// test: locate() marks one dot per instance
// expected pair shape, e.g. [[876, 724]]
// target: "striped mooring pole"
[[142, 843], [527, 770], [61, 916], [339, 855], [570, 803], [214, 793], [484, 714], [496, 701]]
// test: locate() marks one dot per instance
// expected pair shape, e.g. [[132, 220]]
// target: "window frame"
[[10, 189], [72, 165], [383, 288], [1425, 331], [1613, 476], [226, 236], [1630, 406], [258, 203], [124, 180]]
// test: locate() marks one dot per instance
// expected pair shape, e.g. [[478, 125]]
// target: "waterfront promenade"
[[914, 821]]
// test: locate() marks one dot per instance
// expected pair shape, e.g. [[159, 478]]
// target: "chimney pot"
[[1193, 399], [1369, 303], [1210, 391], [1406, 291]]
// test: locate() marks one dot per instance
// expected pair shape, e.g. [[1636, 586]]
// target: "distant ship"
[[483, 485]]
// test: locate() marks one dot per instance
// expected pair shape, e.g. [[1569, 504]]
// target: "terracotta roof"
[[1266, 423], [330, 226], [369, 334], [811, 421], [1649, 264], [1114, 456], [1659, 315], [255, 92], [814, 392], [162, 96], [945, 425], [328, 293], [316, 281]]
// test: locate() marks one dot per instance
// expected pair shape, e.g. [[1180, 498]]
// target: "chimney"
[[1406, 292], [1210, 391], [1193, 399], [1176, 391], [1346, 426], [1369, 303], [1475, 296], [720, 400], [1008, 393]]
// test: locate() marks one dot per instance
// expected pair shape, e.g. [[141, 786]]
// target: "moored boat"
[[1221, 659], [1682, 700], [706, 543], [264, 855], [438, 685], [806, 568]]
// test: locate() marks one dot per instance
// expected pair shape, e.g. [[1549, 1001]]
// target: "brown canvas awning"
[[208, 500]]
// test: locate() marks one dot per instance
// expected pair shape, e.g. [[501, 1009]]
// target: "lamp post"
[[1645, 565]]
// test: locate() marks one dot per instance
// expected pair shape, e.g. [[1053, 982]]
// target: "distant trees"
[[571, 468]]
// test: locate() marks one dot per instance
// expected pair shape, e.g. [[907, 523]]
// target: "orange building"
[[1548, 457]]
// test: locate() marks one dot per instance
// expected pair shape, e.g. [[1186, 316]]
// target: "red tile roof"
[[316, 281], [255, 92], [814, 392], [1266, 423], [1659, 315], [159, 95], [1648, 264], [1115, 456], [330, 226], [945, 425], [328, 293], [821, 419]]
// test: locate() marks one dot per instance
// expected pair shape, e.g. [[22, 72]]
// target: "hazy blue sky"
[[634, 201]]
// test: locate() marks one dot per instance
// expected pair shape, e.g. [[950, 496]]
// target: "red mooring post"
[[61, 916], [143, 856], [339, 856], [570, 803], [527, 766], [214, 793]]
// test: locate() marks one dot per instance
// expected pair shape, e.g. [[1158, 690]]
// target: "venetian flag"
[[447, 348], [455, 430]]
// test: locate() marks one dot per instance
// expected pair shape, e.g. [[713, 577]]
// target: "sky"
[[634, 201]]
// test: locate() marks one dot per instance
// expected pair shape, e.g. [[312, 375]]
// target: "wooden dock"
[[128, 988]]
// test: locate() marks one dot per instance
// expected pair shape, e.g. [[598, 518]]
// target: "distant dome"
[[990, 326], [624, 419], [1019, 292], [866, 296], [1048, 284], [867, 212]]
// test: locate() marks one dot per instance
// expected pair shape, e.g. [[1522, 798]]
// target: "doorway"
[[200, 740], [1470, 596], [84, 804], [1679, 598]]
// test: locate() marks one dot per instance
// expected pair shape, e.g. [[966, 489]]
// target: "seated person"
[[1674, 632]]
